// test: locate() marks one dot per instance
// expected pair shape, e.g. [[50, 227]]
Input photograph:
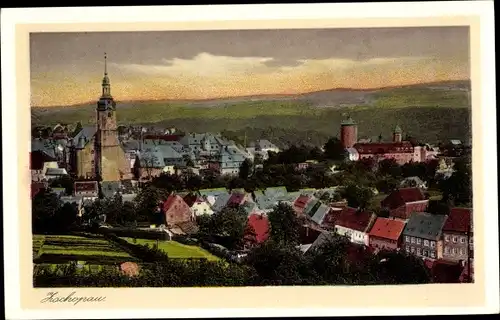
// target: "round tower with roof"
[[348, 132], [397, 135]]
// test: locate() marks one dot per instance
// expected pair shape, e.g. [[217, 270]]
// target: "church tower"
[[110, 161]]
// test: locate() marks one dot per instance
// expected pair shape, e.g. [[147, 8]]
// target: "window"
[[426, 243], [455, 250], [462, 250], [412, 239], [407, 249], [462, 239], [447, 238], [419, 241], [109, 114], [470, 240], [433, 244], [447, 250], [426, 253], [455, 239], [412, 249], [433, 254], [419, 251]]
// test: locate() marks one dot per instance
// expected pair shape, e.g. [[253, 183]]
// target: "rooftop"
[[425, 225], [387, 228]]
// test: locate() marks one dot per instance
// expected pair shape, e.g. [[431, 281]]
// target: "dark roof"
[[387, 228], [384, 147], [38, 158], [236, 198], [443, 271], [164, 137], [308, 235], [459, 220], [425, 225], [399, 197], [331, 217], [354, 219], [190, 199]]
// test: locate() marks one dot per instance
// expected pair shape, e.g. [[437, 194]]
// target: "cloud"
[[202, 65]]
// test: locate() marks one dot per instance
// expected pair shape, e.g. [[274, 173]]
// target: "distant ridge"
[[449, 84]]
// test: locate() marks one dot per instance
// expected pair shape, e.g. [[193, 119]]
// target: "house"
[[221, 202], [386, 234], [250, 208], [211, 195], [198, 205], [458, 235], [110, 188], [40, 162], [354, 224], [86, 189], [263, 147], [318, 216], [331, 217], [311, 207], [442, 271], [276, 192], [403, 202], [422, 235], [176, 211], [300, 203], [238, 198], [266, 204], [258, 229], [55, 173], [413, 182]]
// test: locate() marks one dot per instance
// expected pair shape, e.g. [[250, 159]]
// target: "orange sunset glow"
[[66, 69]]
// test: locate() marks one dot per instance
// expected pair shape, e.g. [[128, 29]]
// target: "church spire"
[[106, 86]]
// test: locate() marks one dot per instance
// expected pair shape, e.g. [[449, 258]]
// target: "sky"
[[67, 68]]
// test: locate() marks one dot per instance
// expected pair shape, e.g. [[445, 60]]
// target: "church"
[[95, 153]]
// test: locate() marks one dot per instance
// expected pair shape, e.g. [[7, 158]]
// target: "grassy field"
[[60, 248], [175, 249]]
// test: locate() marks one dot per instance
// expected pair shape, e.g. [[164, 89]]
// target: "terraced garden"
[[61, 249], [175, 249]]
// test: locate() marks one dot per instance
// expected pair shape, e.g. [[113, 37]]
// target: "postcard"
[[272, 160]]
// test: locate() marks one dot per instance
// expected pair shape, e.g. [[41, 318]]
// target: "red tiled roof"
[[301, 201], [170, 201], [443, 271], [401, 196], [331, 217], [385, 147], [38, 158], [387, 228], [236, 198], [353, 219], [260, 225], [459, 220]]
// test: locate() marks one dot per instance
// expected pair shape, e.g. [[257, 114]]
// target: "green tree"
[[284, 225], [229, 224], [390, 167], [66, 182], [457, 189], [246, 168], [147, 202], [356, 196], [44, 207], [128, 215], [334, 150]]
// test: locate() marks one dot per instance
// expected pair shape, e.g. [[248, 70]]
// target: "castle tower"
[[348, 133], [110, 162], [397, 135]]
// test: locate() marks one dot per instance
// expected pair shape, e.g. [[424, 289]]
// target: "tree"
[[280, 264], [147, 202], [390, 167], [66, 182], [284, 224], [128, 214], [356, 196], [457, 189], [229, 224], [44, 207], [334, 150], [438, 207], [188, 161], [245, 169], [65, 217]]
